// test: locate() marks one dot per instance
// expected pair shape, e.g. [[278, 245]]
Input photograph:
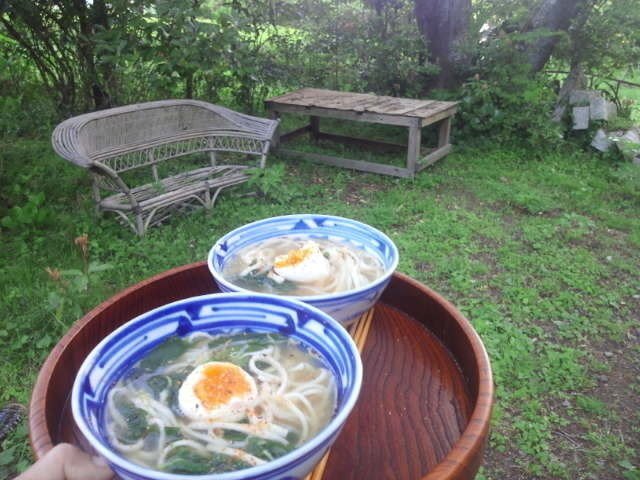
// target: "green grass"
[[541, 256], [630, 95]]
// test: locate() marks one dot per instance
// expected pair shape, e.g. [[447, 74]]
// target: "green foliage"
[[631, 472], [236, 53], [603, 38], [32, 215], [15, 454], [505, 102], [26, 108], [59, 40], [591, 405], [628, 179], [69, 283], [233, 53], [271, 183], [354, 47]]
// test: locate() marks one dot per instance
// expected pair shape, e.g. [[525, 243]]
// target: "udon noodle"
[[156, 415], [299, 266]]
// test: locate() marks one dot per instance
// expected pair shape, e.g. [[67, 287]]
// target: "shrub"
[[25, 107], [505, 102]]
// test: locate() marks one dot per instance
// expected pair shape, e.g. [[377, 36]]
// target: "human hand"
[[68, 462]]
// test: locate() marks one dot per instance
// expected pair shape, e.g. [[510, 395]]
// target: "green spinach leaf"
[[157, 384], [136, 419], [267, 449], [163, 353], [187, 460]]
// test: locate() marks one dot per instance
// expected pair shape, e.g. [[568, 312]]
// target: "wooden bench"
[[110, 142], [362, 107]]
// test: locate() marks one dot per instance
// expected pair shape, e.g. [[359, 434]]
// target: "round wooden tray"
[[426, 398]]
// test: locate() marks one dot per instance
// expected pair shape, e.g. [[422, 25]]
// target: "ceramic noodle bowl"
[[221, 313], [344, 306]]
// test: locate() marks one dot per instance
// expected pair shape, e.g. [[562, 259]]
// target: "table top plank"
[[400, 106], [356, 101], [430, 110], [410, 108], [361, 102]]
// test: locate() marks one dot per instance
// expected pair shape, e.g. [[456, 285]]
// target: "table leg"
[[413, 146], [443, 148], [314, 124], [444, 130]]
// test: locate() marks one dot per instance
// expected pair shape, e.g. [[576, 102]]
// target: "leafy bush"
[[25, 108], [504, 102], [508, 111], [32, 215], [241, 52], [354, 47], [271, 183]]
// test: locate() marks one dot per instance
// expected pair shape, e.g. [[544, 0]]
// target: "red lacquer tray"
[[426, 398]]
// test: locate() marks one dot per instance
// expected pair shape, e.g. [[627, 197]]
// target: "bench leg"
[[215, 196], [275, 142], [263, 155], [140, 226]]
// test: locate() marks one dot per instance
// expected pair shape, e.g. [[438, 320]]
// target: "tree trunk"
[[104, 75], [444, 25], [552, 15], [188, 85]]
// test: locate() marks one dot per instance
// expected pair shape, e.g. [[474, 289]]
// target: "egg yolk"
[[219, 383], [294, 257]]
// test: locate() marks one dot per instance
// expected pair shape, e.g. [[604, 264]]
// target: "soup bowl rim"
[[381, 281], [279, 465]]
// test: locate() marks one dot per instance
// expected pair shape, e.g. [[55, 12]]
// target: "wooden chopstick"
[[318, 471], [359, 330]]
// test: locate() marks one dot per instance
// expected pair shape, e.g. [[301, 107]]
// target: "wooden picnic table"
[[362, 107]]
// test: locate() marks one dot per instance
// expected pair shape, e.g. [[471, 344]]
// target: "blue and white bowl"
[[343, 306], [217, 313]]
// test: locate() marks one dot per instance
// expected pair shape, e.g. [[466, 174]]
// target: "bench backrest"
[[134, 128], [135, 135]]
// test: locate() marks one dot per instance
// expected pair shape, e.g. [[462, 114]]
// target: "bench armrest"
[[65, 140], [109, 179]]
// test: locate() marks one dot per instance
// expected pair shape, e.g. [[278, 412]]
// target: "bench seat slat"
[[172, 189]]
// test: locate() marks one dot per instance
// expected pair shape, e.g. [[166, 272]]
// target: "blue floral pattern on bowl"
[[217, 313], [343, 306]]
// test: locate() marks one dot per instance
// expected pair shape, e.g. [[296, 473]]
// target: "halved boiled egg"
[[303, 265], [216, 391]]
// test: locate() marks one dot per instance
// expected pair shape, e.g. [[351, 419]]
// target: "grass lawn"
[[631, 94], [542, 255]]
